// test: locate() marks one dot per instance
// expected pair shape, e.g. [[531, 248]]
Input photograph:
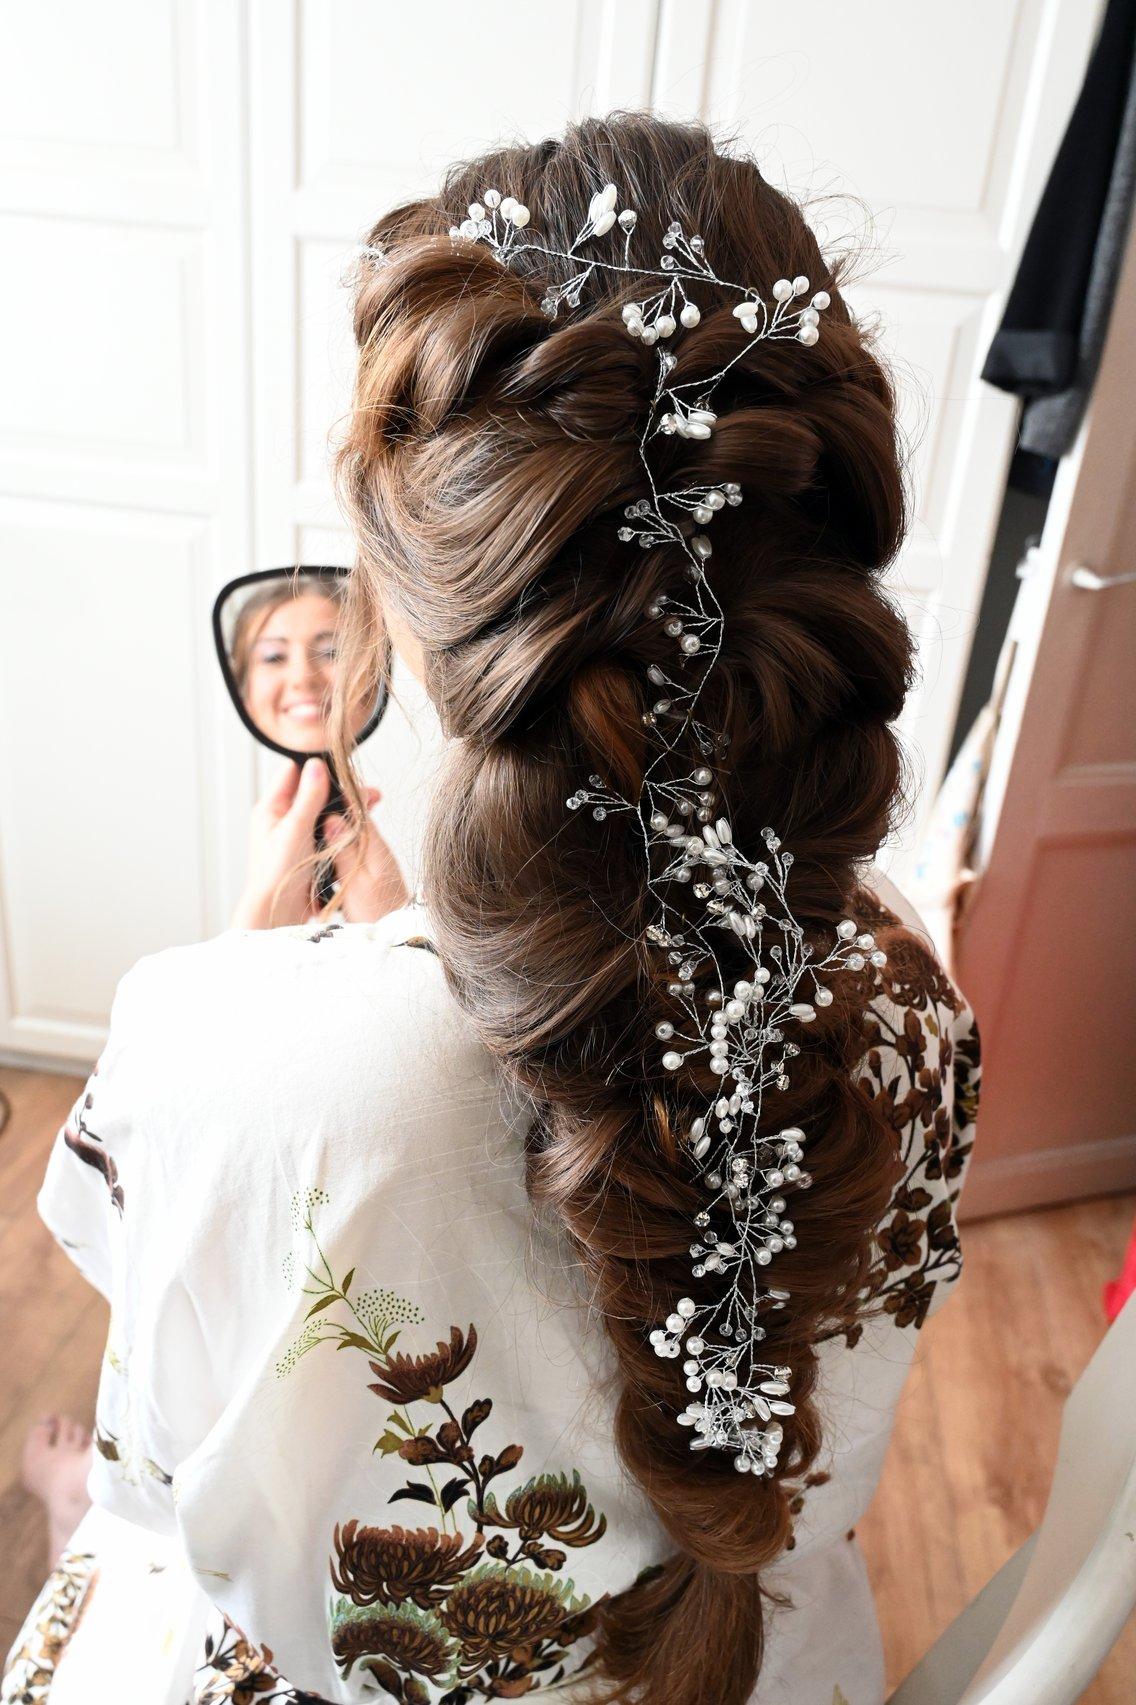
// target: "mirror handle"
[[325, 870]]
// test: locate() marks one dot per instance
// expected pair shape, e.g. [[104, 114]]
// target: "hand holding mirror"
[[277, 634]]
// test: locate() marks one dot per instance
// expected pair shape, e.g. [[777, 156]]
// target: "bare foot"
[[57, 1460]]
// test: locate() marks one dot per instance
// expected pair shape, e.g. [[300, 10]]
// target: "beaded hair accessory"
[[745, 1031]]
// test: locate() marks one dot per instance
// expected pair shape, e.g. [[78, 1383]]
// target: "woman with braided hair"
[[621, 1166]]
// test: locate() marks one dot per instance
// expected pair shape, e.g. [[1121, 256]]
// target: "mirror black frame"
[[322, 571]]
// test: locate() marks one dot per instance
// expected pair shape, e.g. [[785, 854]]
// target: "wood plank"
[[54, 1327], [968, 1472]]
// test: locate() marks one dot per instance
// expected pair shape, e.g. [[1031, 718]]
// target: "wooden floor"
[[968, 1472], [967, 1476]]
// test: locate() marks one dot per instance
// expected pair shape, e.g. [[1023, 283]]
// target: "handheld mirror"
[[277, 636]]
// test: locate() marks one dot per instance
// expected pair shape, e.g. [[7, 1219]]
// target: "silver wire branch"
[[741, 1027]]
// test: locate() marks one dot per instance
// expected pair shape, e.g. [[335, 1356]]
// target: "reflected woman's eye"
[[274, 654], [326, 653]]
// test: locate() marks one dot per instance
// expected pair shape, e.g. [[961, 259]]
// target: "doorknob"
[[1090, 581]]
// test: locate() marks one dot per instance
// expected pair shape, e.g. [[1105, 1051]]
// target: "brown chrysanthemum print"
[[550, 1505], [391, 1565], [407, 1638], [496, 1610], [410, 1379], [424, 1613], [915, 1045]]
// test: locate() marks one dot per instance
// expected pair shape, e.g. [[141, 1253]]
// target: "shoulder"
[[918, 1016], [920, 1070], [251, 962], [341, 1004]]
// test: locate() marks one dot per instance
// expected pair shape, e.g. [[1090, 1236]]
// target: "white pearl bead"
[[800, 284], [664, 1030], [665, 325], [672, 1060], [691, 314], [782, 290], [821, 299], [686, 1306], [675, 1323], [520, 216], [493, 198], [476, 211], [690, 644], [823, 997], [846, 929], [603, 224], [508, 205], [695, 1346], [808, 335]]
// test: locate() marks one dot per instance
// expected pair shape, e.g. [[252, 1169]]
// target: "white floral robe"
[[351, 1410]]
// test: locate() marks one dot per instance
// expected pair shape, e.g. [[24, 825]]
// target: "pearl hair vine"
[[743, 1025]]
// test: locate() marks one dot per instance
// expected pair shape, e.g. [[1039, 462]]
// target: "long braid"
[[487, 455]]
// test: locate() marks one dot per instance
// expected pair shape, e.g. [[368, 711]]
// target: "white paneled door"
[[181, 183]]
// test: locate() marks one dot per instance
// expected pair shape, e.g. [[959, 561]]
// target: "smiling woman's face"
[[291, 670]]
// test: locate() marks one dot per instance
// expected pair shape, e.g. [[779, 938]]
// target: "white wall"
[[181, 182]]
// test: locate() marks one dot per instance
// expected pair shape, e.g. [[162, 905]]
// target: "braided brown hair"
[[485, 466]]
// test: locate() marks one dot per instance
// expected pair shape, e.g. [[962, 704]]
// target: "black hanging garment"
[[1048, 346]]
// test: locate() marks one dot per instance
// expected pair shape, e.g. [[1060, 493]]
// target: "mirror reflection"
[[279, 642]]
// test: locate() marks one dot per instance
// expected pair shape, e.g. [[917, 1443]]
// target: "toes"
[[72, 1435], [39, 1445]]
